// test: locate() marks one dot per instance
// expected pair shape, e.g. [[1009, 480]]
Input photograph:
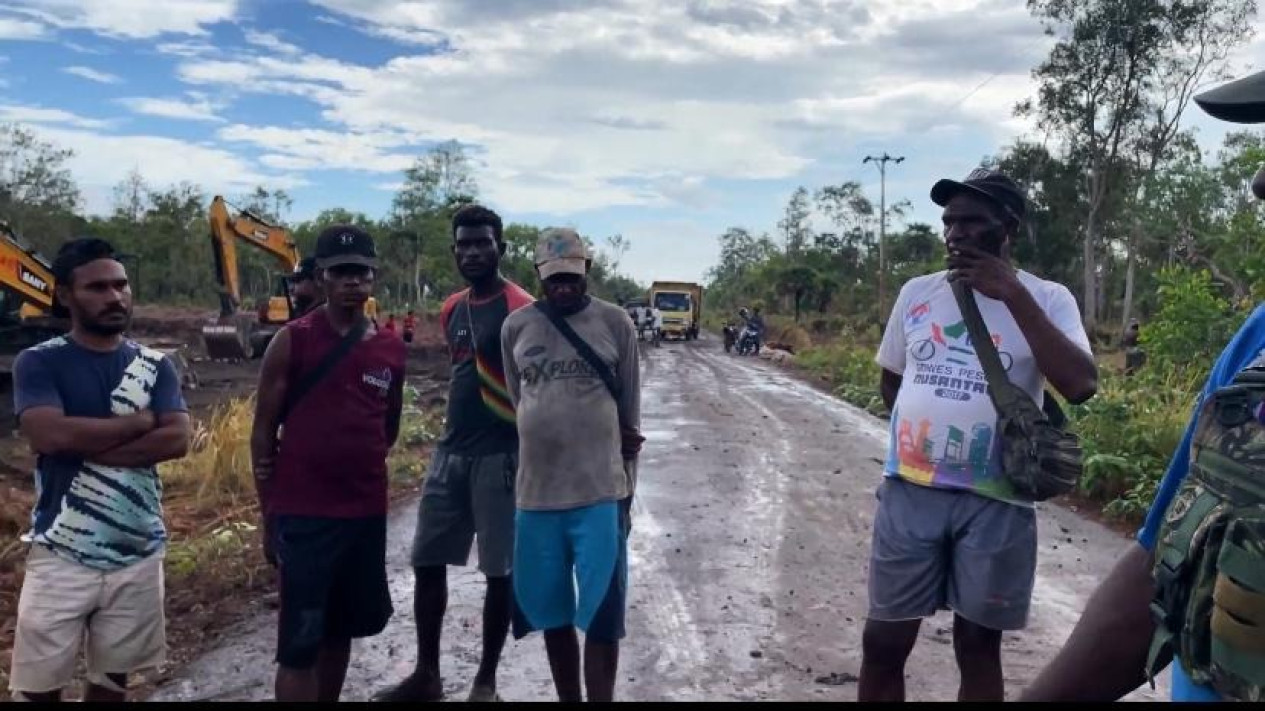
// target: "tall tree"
[[617, 246], [434, 186], [1092, 92], [1202, 33], [130, 197], [795, 226], [38, 195], [852, 214]]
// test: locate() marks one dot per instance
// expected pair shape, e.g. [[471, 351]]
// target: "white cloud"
[[578, 105], [75, 46], [93, 75], [190, 48], [305, 149], [40, 115], [12, 28], [271, 42], [185, 110], [133, 19], [100, 161]]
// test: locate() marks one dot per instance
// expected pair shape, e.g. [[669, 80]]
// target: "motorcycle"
[[749, 341]]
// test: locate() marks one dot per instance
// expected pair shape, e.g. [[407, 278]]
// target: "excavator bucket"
[[229, 338]]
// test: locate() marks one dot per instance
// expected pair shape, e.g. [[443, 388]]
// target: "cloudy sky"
[[664, 120]]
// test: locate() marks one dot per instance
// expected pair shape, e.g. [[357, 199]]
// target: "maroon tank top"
[[332, 460]]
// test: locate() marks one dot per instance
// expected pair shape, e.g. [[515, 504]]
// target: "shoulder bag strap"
[[331, 359], [994, 372], [582, 347]]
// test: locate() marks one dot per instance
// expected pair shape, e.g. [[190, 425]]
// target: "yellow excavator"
[[26, 295], [238, 335]]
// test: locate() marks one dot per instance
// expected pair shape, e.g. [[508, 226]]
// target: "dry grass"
[[217, 472]]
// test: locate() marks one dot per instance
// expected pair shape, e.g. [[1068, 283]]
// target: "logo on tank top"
[[380, 380]]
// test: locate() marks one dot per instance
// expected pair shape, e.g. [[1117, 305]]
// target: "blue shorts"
[[571, 569]]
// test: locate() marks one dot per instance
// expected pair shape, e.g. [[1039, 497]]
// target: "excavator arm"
[[226, 230], [236, 336]]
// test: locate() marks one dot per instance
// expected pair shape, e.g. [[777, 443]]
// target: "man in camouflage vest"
[[1194, 587]]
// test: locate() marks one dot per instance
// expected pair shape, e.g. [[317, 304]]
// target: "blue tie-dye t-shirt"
[[101, 517]]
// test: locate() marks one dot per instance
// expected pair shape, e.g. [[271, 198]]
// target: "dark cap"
[[306, 269], [1240, 101], [991, 185], [345, 244]]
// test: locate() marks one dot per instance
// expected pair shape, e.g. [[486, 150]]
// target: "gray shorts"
[[937, 549], [465, 497]]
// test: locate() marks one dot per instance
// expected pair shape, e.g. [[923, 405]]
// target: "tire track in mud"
[[748, 560]]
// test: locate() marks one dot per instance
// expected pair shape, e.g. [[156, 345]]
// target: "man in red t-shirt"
[[337, 383]]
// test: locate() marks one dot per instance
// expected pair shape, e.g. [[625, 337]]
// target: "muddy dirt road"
[[748, 561]]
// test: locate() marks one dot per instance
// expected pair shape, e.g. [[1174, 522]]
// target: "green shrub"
[[1193, 323], [1129, 431], [850, 370]]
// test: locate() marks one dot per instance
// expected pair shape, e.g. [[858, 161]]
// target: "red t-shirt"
[[332, 460]]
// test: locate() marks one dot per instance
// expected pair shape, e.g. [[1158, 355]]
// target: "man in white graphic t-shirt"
[[950, 533]]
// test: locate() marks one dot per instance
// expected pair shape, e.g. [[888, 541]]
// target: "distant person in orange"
[[410, 326], [390, 326]]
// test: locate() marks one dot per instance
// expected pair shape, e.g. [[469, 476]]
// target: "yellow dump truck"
[[681, 304]]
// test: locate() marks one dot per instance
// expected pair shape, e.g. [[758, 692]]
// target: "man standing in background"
[[410, 326], [305, 293]]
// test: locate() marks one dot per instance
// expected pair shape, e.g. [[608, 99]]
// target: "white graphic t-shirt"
[[943, 421]]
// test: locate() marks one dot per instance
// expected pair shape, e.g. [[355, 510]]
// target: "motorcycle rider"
[[753, 329], [656, 324], [757, 325]]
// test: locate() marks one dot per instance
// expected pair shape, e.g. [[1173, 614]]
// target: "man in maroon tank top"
[[319, 449]]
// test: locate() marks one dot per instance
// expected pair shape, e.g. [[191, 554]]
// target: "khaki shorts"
[[117, 616]]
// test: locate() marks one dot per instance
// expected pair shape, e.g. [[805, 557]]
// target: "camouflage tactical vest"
[[1210, 555]]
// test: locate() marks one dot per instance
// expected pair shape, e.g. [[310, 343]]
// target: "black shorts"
[[333, 583], [408, 336]]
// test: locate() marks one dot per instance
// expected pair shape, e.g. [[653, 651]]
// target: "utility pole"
[[881, 162]]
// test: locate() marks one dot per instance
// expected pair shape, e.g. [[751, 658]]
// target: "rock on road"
[[748, 562]]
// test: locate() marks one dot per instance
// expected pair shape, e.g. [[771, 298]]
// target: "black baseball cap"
[[337, 245], [1240, 101], [306, 269], [992, 185]]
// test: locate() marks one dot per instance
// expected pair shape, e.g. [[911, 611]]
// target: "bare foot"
[[416, 687]]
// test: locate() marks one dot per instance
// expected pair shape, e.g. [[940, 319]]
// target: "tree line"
[[165, 233], [1123, 203]]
